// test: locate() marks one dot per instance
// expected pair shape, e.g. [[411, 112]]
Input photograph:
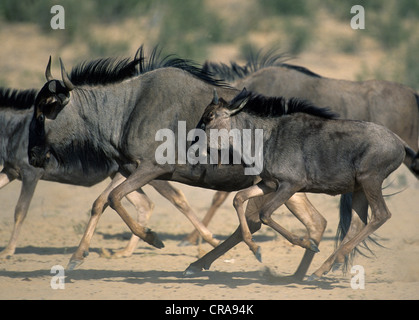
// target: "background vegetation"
[[190, 28]]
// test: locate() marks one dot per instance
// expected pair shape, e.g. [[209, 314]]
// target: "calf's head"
[[49, 102], [218, 113]]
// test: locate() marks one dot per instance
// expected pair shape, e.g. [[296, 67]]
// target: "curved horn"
[[215, 98], [48, 74], [67, 82]]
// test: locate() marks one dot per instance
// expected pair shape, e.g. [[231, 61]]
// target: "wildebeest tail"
[[345, 217]]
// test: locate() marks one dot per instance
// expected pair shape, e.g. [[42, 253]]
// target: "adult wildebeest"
[[120, 121], [84, 169], [16, 111], [305, 149]]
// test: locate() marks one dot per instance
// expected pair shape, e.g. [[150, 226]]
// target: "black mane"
[[272, 107], [255, 61], [301, 69], [17, 99], [113, 70], [103, 71], [227, 72]]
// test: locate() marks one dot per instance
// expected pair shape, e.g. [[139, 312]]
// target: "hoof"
[[192, 271], [258, 254], [313, 277], [74, 264], [5, 257], [153, 239], [124, 253], [313, 246]]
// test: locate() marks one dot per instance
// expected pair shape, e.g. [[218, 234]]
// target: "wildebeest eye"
[[41, 117], [49, 109], [209, 117]]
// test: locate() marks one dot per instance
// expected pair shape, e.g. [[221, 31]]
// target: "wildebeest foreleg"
[[295, 204], [253, 221], [144, 207], [283, 192], [29, 183], [254, 191], [141, 176], [217, 200], [315, 223]]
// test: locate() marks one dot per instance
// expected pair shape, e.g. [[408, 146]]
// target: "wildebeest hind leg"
[[98, 207], [379, 215]]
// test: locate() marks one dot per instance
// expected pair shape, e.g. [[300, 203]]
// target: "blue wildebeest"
[[16, 111], [306, 149], [390, 104], [84, 169], [120, 121]]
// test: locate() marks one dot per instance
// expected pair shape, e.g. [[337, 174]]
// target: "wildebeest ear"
[[52, 87], [215, 97], [239, 102], [239, 108]]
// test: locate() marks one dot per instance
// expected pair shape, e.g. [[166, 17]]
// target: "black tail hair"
[[345, 217]]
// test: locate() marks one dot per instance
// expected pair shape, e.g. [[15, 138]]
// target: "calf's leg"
[[379, 215], [253, 221], [315, 223], [254, 191]]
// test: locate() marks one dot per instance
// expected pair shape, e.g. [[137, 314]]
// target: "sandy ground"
[[59, 212]]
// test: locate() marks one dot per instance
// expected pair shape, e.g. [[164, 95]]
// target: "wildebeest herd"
[[320, 135]]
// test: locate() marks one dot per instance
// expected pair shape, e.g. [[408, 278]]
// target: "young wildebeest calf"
[[305, 149]]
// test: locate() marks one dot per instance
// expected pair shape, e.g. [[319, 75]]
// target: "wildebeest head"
[[50, 100], [217, 114]]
